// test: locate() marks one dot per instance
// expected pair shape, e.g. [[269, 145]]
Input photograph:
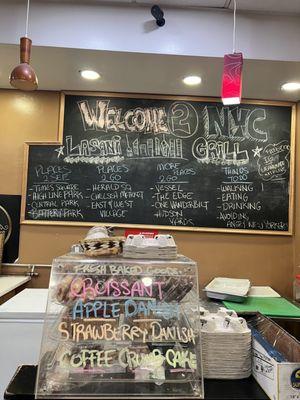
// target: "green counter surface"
[[270, 306]]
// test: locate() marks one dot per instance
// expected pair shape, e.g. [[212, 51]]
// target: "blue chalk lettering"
[[130, 304], [77, 309], [115, 310]]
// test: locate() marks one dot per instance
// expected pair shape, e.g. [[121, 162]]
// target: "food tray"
[[228, 289]]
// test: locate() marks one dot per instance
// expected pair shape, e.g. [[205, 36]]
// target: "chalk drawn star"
[[257, 151], [60, 151]]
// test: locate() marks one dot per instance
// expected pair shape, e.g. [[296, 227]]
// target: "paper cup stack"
[[226, 345]]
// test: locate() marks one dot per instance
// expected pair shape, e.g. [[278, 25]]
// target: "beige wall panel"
[[296, 247], [265, 260], [24, 117]]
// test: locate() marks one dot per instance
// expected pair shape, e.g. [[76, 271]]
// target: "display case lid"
[[81, 257]]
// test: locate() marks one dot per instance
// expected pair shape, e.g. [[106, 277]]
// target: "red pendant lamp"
[[232, 72], [23, 76], [232, 79]]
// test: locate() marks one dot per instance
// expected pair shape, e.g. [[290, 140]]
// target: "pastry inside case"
[[121, 328]]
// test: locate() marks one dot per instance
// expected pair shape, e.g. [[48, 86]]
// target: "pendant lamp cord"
[[27, 18], [234, 27]]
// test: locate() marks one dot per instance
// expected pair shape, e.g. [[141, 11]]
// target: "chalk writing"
[[131, 307], [87, 288], [237, 123], [99, 330], [52, 173], [274, 162], [126, 358], [211, 151], [106, 118], [104, 269], [55, 200], [163, 162], [105, 151], [183, 119]]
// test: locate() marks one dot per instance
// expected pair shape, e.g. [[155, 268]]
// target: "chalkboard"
[[169, 162]]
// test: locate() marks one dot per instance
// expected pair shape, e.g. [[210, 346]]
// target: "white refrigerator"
[[21, 325]]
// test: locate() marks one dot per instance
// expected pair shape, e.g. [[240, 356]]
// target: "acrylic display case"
[[121, 328]]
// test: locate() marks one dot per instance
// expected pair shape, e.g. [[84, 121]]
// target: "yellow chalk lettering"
[[122, 358], [193, 361], [136, 332], [126, 332], [93, 356], [109, 333], [73, 330], [132, 359], [80, 332], [84, 355], [156, 331], [74, 363], [62, 329], [89, 332], [62, 357], [109, 356], [170, 355], [181, 358], [169, 333]]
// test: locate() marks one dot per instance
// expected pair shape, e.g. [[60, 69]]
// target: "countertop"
[[28, 304], [9, 283], [22, 385]]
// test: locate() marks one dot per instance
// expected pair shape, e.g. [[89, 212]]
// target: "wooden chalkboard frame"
[[290, 230]]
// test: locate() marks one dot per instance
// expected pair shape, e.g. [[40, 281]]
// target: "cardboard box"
[[275, 359]]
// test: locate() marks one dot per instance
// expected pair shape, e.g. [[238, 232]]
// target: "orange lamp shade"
[[23, 76]]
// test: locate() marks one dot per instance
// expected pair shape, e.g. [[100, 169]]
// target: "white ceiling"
[[264, 6], [268, 6], [169, 3], [57, 69]]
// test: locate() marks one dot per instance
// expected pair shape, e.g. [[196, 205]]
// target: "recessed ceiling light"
[[192, 80], [290, 86], [89, 74]]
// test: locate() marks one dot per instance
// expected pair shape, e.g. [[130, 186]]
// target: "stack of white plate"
[[160, 247], [226, 345]]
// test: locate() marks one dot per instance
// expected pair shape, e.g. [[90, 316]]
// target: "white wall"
[[121, 28]]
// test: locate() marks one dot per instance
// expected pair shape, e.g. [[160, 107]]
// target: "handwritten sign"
[[175, 163], [135, 326]]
